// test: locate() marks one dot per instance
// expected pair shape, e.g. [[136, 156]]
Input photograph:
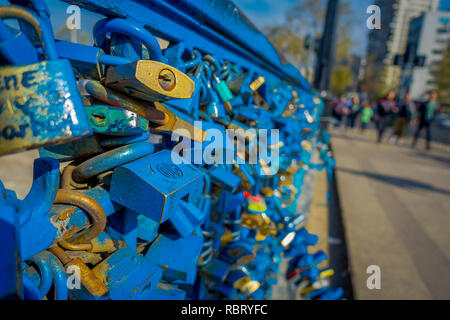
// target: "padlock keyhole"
[[167, 80]]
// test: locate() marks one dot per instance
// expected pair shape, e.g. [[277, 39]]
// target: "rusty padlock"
[[89, 280]]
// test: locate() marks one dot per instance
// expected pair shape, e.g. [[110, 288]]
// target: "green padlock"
[[115, 121], [39, 103], [224, 92]]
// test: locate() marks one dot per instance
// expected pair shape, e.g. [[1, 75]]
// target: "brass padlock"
[[246, 285], [257, 83], [175, 123], [257, 98], [39, 103], [150, 80]]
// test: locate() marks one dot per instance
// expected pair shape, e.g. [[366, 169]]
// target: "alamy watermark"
[[73, 21], [374, 280], [74, 278], [374, 20]]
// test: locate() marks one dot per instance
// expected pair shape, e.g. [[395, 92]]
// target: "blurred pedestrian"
[[345, 112], [354, 110], [366, 115], [385, 109], [426, 112], [405, 114], [340, 109]]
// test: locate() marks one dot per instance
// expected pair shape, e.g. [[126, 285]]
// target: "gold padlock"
[[267, 192], [256, 83], [150, 80], [226, 237], [175, 123], [246, 286], [306, 145], [295, 98], [293, 168]]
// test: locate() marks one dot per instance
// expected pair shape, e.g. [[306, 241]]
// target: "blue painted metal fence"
[[130, 217]]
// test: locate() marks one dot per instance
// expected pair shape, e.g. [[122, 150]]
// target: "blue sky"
[[265, 12]]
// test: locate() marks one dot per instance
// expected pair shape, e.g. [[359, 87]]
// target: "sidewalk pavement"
[[16, 171], [395, 204]]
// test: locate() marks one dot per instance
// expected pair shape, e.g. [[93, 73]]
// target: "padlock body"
[[141, 79], [223, 90], [115, 121], [39, 106]]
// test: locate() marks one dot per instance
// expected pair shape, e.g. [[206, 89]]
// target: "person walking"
[[366, 115], [404, 116], [340, 110], [385, 109], [426, 112], [355, 108]]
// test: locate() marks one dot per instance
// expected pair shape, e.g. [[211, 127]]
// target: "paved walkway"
[[16, 171], [318, 215], [395, 204]]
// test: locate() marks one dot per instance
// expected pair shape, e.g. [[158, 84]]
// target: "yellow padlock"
[[268, 192], [295, 98], [226, 237], [175, 123], [290, 110], [150, 80], [256, 83], [257, 207], [326, 273], [246, 285]]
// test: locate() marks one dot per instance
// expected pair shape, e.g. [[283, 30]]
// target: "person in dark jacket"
[[426, 112], [404, 116], [385, 109], [340, 110]]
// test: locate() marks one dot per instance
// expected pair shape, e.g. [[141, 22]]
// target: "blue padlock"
[[159, 182], [128, 275], [180, 268], [40, 102]]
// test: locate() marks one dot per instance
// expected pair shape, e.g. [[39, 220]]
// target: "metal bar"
[[205, 27]]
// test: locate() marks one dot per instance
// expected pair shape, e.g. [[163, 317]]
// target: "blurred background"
[[389, 203], [410, 51]]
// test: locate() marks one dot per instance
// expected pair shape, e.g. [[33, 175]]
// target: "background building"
[[389, 41], [428, 38]]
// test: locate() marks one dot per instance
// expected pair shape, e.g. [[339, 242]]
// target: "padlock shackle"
[[92, 208], [120, 100], [128, 28], [17, 12], [111, 159], [51, 271], [213, 63]]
